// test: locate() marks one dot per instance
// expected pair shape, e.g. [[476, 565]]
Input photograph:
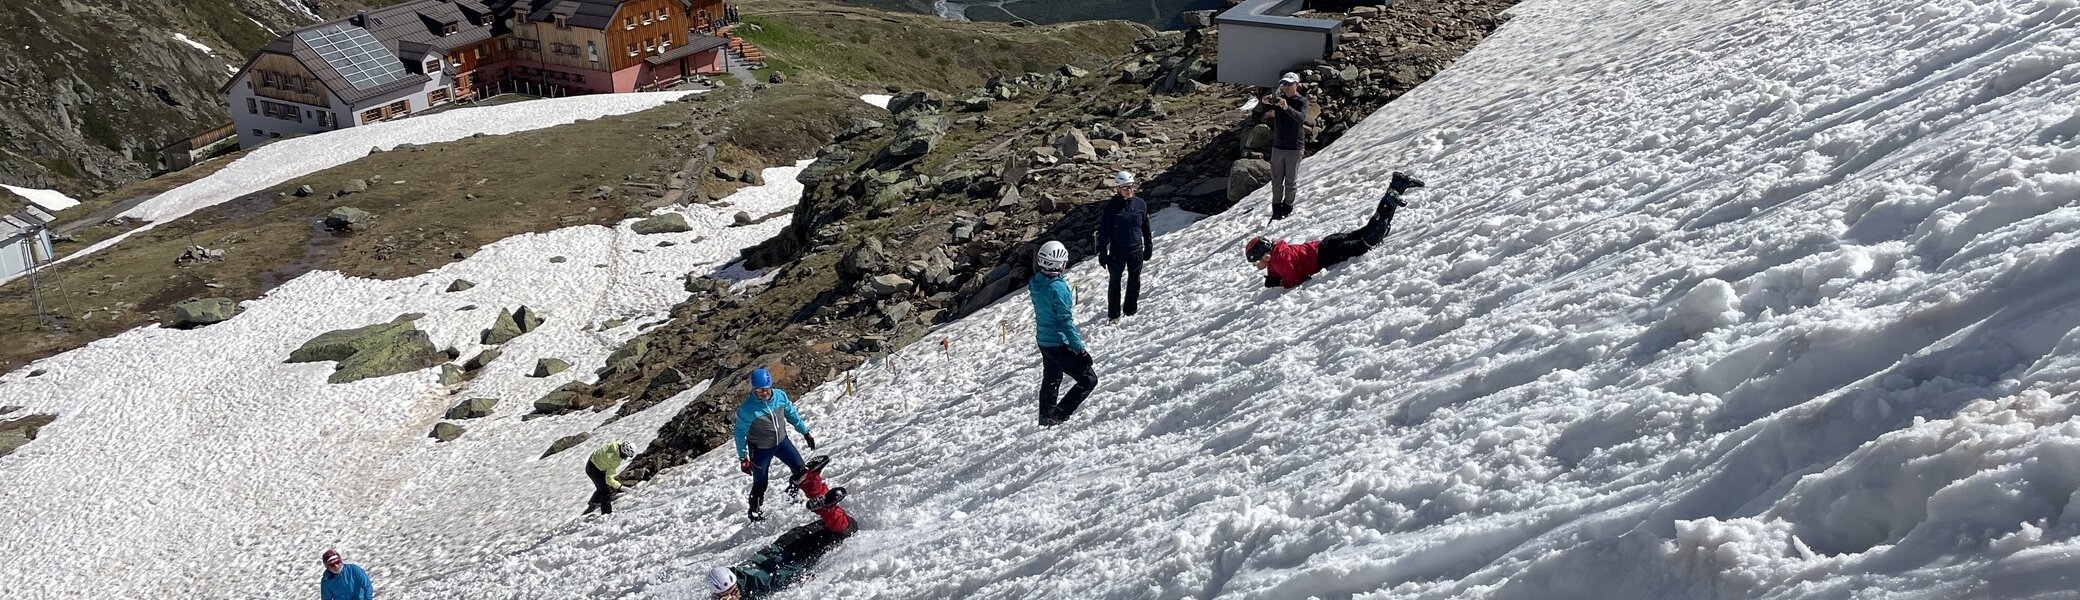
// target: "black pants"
[[1348, 245], [1055, 361], [1132, 270], [602, 495]]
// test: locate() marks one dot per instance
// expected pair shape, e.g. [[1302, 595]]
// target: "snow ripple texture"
[[197, 464], [1705, 300]]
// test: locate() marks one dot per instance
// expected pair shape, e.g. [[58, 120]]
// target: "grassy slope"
[[914, 51]]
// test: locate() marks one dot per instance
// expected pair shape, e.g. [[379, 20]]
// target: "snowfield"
[[50, 200], [218, 471], [287, 159], [1707, 300]]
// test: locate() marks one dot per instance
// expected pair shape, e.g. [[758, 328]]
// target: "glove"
[[1105, 260], [1148, 254], [744, 465], [1271, 281], [812, 441]]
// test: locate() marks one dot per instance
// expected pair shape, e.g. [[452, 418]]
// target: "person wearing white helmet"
[[1054, 324], [778, 565], [1286, 111], [1124, 243], [604, 464]]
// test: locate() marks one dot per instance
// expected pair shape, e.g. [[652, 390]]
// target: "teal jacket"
[[758, 422], [1054, 321]]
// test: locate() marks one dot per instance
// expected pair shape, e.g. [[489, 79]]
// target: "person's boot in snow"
[[755, 514], [1403, 182]]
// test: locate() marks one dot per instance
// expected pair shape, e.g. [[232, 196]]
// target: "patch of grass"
[[918, 51]]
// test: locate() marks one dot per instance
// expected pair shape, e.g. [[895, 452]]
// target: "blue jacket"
[[765, 416], [1053, 321], [1123, 233], [350, 584]]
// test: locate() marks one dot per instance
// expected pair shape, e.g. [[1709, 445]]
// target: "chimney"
[[360, 19]]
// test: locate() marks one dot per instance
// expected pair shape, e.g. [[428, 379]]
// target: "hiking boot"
[[1281, 210], [755, 515], [829, 499], [1403, 182]]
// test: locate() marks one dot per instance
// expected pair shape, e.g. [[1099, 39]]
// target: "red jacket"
[[1294, 263]]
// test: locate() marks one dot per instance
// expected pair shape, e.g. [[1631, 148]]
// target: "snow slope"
[[287, 159], [51, 200], [197, 464], [1706, 300]]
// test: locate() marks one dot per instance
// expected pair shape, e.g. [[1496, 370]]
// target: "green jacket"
[[608, 460]]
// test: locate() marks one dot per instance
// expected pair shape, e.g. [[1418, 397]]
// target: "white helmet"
[[721, 579], [1123, 178], [1053, 258]]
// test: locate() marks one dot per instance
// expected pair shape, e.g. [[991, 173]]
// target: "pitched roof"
[[405, 32], [589, 14], [695, 44], [352, 63]]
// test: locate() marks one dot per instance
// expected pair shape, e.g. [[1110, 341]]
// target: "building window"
[[303, 84], [252, 106], [371, 115], [325, 118], [439, 96], [433, 66], [592, 50], [259, 133], [281, 111], [563, 23], [268, 79], [448, 29], [397, 109], [479, 52], [650, 45], [628, 22], [664, 14], [631, 48], [276, 135], [530, 44], [647, 19]]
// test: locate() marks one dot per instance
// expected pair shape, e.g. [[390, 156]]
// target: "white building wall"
[[16, 254], [255, 128], [1253, 55]]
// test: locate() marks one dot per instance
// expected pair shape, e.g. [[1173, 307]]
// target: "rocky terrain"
[[931, 212], [91, 90]]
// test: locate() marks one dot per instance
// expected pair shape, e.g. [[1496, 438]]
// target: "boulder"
[[914, 102], [1010, 198], [916, 135], [742, 218], [481, 359], [348, 218], [867, 257], [1074, 145], [629, 358], [1258, 139], [776, 77], [886, 285], [825, 166], [670, 376], [664, 223], [1105, 147], [373, 351], [451, 374], [562, 400], [1200, 19], [1105, 131], [549, 366], [510, 324], [19, 432], [1246, 176], [1149, 108], [860, 127], [1048, 203], [974, 104], [566, 442], [304, 191], [894, 314], [352, 186], [473, 408], [205, 311], [445, 432], [461, 284], [1072, 71]]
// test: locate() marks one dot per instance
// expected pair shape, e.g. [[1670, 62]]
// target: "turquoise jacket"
[[350, 584], [1054, 321], [758, 421]]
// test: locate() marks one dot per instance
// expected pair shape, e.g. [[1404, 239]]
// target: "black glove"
[[1271, 281], [812, 441], [1148, 254]]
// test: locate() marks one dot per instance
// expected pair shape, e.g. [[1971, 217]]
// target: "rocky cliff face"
[[89, 91]]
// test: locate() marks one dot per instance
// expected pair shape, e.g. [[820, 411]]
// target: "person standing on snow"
[[343, 581], [1061, 350], [605, 464], [1124, 243], [1287, 265], [760, 437], [1286, 111]]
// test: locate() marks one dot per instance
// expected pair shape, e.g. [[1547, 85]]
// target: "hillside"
[[93, 89]]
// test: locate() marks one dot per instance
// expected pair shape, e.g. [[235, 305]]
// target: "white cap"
[[721, 579], [1122, 178], [1290, 78]]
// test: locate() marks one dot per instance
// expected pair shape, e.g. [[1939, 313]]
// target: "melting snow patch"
[[880, 100], [51, 200], [191, 42]]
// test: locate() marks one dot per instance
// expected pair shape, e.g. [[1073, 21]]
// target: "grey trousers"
[[1285, 167]]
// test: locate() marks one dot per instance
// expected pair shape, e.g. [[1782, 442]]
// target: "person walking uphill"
[[1286, 110], [1061, 350], [601, 469], [343, 581], [1287, 265], [760, 436], [1124, 243]]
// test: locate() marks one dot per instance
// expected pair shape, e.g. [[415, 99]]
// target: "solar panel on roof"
[[356, 55]]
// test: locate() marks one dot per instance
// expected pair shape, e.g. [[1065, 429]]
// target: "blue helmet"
[[761, 379]]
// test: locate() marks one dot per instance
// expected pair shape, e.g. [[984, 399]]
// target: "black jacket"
[[1288, 125], [1123, 232]]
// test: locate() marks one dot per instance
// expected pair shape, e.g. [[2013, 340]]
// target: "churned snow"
[[878, 100], [51, 200], [288, 159], [183, 38], [1704, 300], [196, 463]]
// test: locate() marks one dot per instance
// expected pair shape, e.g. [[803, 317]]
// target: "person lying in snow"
[[788, 559], [1287, 265]]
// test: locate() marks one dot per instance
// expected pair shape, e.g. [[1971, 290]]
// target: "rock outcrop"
[[376, 350]]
